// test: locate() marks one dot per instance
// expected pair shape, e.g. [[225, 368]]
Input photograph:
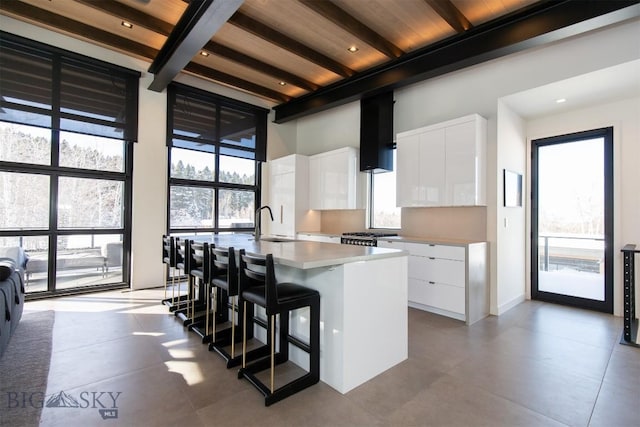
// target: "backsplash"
[[463, 223], [340, 221]]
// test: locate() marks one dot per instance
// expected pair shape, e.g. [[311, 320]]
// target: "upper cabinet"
[[443, 164], [335, 181], [289, 197]]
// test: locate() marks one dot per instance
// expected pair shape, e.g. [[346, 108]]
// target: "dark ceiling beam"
[[533, 26], [450, 13], [151, 23], [216, 75], [347, 22], [275, 37], [92, 34], [199, 22]]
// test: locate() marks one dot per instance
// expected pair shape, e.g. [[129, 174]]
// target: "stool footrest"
[[200, 330], [283, 392], [174, 303]]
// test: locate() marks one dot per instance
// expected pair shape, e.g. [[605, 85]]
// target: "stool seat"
[[288, 293]]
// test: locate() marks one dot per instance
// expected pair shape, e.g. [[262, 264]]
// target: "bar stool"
[[199, 269], [169, 263], [185, 254], [179, 254], [258, 285], [224, 282]]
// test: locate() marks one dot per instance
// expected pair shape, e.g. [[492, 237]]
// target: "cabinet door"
[[432, 168], [461, 164], [334, 180], [315, 183], [282, 201], [408, 171], [335, 177]]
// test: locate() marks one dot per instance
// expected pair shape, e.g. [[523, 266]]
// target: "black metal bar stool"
[[183, 249], [258, 285], [199, 270], [169, 264], [224, 281], [178, 301]]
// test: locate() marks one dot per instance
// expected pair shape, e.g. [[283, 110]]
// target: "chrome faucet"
[[258, 211]]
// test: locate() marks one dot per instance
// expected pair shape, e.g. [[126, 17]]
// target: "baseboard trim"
[[510, 304]]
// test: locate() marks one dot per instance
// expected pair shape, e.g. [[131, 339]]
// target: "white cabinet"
[[450, 280], [288, 197], [335, 181], [442, 164]]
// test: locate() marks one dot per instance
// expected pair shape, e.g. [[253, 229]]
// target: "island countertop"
[[301, 254]]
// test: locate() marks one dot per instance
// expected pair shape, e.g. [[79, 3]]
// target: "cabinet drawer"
[[437, 270], [437, 295], [436, 251], [445, 297]]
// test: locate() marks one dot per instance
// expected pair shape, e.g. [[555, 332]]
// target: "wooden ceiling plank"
[[339, 17], [262, 67], [235, 81], [450, 13], [130, 14], [195, 28], [277, 38], [32, 13]]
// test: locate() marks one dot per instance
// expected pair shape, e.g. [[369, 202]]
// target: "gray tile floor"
[[537, 365]]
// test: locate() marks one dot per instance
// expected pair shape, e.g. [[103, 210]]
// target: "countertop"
[[302, 254], [409, 239]]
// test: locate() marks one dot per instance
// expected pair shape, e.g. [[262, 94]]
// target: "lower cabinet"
[[446, 279]]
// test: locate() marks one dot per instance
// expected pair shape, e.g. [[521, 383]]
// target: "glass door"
[[572, 219]]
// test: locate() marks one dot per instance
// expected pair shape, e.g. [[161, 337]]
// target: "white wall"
[[624, 116], [509, 255], [335, 128]]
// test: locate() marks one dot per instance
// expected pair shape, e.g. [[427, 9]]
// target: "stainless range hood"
[[376, 133]]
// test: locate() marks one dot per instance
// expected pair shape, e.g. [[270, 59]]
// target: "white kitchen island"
[[363, 304]]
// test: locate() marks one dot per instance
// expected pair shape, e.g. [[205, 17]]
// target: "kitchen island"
[[363, 303]]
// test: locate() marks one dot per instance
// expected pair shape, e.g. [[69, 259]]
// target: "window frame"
[[370, 198], [60, 58], [218, 145]]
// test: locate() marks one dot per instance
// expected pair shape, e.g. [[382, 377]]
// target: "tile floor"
[[537, 365]]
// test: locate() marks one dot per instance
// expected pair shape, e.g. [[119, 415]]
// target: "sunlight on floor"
[[190, 371]]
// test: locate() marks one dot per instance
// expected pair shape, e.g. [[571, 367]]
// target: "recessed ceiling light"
[[204, 53], [127, 24], [282, 83], [353, 49], [560, 100]]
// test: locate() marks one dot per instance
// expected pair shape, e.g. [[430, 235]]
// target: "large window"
[[215, 149], [67, 127], [383, 212]]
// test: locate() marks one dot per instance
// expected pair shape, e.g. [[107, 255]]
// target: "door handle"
[[281, 209]]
